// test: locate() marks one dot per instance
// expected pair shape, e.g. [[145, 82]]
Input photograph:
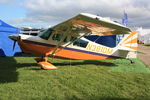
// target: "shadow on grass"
[[75, 97], [67, 63], [86, 98], [8, 70], [85, 62], [111, 98], [146, 44], [97, 98], [8, 67]]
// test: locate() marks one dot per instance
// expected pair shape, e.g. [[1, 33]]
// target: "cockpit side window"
[[109, 41], [57, 37], [66, 39], [80, 43], [73, 38], [46, 34]]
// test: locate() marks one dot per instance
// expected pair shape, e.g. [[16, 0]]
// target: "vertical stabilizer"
[[127, 48]]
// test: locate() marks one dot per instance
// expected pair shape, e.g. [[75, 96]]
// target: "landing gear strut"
[[131, 61]]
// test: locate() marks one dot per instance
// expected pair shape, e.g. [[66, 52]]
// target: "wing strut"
[[68, 44], [64, 36]]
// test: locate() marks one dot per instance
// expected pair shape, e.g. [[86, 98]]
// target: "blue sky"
[[44, 13], [10, 12]]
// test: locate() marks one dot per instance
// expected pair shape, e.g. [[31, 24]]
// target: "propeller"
[[14, 45], [14, 37]]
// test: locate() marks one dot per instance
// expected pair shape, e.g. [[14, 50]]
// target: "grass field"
[[21, 79]]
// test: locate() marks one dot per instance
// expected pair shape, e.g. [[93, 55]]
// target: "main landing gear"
[[131, 61], [44, 63]]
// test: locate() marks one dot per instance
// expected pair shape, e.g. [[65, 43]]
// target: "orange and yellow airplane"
[[68, 40]]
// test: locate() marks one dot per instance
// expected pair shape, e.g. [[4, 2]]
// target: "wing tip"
[[102, 19]]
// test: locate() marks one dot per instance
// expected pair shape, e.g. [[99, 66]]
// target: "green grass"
[[21, 79], [140, 52], [126, 66]]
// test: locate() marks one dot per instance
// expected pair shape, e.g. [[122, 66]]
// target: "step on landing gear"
[[44, 64]]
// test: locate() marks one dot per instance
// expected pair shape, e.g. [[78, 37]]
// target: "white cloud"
[[4, 1], [54, 11], [8, 2]]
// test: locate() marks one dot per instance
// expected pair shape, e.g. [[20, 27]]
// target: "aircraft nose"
[[14, 37]]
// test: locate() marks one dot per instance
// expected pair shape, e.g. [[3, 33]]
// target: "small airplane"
[[68, 40]]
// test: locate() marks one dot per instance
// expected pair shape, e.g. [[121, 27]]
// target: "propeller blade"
[[14, 45]]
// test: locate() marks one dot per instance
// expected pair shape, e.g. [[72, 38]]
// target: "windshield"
[[46, 34]]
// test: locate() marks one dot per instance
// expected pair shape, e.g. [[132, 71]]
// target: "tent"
[[6, 44], [145, 39], [144, 35]]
